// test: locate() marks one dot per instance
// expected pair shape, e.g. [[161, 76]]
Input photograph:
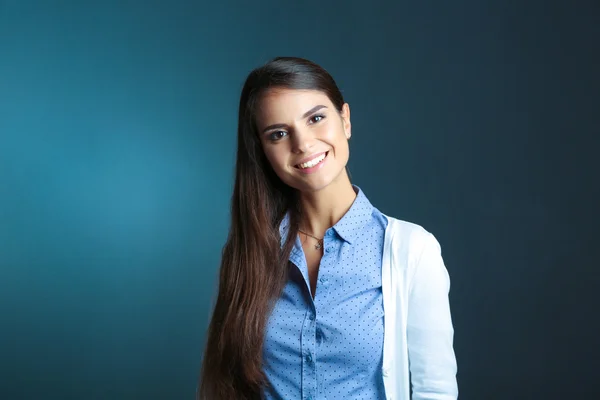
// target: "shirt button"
[[308, 358], [330, 232], [329, 249], [311, 317], [323, 281]]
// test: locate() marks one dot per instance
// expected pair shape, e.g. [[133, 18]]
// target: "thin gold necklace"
[[319, 244]]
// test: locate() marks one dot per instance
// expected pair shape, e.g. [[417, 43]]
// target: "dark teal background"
[[477, 120]]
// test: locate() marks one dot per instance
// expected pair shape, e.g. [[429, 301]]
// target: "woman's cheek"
[[326, 130]]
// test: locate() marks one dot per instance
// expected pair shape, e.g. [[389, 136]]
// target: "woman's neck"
[[324, 208]]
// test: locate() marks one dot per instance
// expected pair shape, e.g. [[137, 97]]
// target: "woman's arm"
[[429, 327]]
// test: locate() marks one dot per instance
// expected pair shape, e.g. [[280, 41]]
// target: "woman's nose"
[[302, 141]]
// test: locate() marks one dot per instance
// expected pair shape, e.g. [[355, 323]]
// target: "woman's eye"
[[277, 135], [316, 118]]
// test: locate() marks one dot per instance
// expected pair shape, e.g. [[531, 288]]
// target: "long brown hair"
[[254, 260]]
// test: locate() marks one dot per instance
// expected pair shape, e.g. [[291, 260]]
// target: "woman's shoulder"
[[409, 235], [397, 225]]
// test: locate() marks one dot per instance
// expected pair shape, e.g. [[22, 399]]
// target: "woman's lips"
[[314, 168]]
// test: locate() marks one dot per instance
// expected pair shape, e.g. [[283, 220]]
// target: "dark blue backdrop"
[[476, 120]]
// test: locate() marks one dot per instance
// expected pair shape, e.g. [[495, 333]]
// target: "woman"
[[321, 296]]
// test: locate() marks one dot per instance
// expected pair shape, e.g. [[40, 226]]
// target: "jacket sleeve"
[[430, 332]]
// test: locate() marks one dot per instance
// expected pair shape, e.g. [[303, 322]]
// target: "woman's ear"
[[346, 120]]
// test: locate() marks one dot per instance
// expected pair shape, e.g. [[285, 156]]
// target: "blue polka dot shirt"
[[331, 347]]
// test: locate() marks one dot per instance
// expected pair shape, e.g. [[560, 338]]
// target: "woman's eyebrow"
[[274, 126], [312, 110]]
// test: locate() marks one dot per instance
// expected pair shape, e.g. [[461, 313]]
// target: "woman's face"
[[304, 137]]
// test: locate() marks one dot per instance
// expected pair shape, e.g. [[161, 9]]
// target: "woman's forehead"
[[289, 102]]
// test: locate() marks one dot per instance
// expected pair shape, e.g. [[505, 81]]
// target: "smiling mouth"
[[312, 163]]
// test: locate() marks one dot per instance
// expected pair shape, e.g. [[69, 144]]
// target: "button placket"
[[326, 261], [308, 345]]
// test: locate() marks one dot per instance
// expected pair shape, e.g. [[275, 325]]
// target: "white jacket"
[[418, 333]]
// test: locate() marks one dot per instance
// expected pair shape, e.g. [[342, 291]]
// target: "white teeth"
[[314, 162]]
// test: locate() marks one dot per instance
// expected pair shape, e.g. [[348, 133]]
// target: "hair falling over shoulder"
[[253, 267]]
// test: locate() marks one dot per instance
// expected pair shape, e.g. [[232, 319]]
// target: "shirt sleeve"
[[430, 332]]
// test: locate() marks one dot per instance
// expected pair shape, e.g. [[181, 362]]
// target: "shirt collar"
[[350, 226]]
